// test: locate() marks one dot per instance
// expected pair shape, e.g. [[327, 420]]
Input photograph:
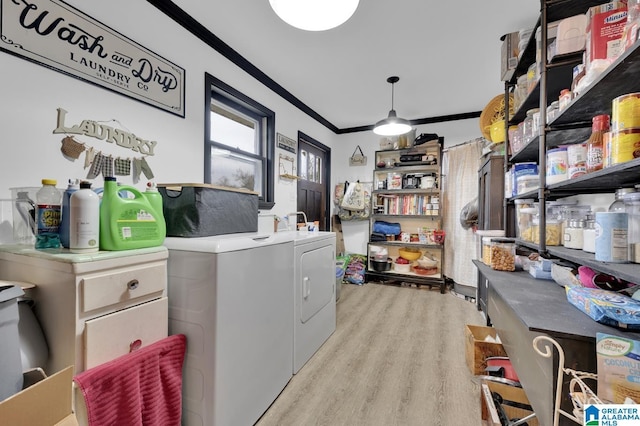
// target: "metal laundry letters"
[[58, 36], [107, 133]]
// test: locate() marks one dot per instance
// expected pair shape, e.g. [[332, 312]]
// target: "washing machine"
[[314, 293], [231, 295]]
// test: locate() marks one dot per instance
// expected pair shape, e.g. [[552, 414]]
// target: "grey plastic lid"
[[9, 292], [631, 196]]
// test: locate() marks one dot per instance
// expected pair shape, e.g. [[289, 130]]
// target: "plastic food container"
[[481, 234], [486, 250], [553, 232], [527, 183], [503, 254], [523, 215]]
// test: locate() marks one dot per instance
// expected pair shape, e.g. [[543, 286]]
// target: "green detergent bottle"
[[128, 223]]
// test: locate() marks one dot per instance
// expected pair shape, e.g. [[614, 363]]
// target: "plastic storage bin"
[[11, 365]]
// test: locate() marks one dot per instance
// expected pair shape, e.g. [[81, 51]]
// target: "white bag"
[[353, 197], [358, 158]]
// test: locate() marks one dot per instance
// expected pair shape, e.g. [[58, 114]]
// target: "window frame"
[[221, 92]]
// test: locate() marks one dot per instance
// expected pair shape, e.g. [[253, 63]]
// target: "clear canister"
[[574, 234], [632, 208], [552, 111], [486, 250], [589, 234], [572, 211], [528, 127], [523, 218], [620, 204], [503, 254], [553, 231]]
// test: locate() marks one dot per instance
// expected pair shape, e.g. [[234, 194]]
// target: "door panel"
[[313, 186]]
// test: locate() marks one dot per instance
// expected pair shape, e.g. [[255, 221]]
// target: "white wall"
[[32, 93]]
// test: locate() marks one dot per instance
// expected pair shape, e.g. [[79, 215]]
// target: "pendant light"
[[392, 125], [314, 15]]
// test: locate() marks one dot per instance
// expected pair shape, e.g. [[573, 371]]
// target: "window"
[[239, 141]]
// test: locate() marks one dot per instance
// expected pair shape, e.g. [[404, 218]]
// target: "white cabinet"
[[93, 307]]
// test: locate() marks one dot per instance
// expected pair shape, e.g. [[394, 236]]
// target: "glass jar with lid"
[[553, 111], [574, 234], [619, 204], [527, 127], [589, 234], [568, 212]]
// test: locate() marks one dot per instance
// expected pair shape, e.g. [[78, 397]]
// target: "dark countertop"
[[542, 306]]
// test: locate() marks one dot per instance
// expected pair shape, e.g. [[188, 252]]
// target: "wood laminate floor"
[[397, 357]]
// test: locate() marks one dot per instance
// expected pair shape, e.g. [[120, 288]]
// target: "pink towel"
[[140, 388]]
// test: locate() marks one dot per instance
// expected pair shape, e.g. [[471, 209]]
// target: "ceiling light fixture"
[[392, 125], [314, 15]]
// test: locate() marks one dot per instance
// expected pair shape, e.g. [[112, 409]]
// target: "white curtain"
[[460, 186]]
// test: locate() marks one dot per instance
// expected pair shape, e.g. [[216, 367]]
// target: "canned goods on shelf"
[[625, 112], [625, 146]]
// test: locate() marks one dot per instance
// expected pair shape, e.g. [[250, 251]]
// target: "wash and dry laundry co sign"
[[54, 34]]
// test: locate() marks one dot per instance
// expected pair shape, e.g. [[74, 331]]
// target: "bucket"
[[611, 237], [128, 223], [625, 112]]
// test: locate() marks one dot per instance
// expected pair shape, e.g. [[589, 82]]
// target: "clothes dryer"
[[314, 294]]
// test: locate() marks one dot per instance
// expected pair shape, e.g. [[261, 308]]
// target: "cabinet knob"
[[135, 345], [133, 284]]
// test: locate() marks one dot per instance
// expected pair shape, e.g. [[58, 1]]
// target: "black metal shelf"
[[626, 271], [620, 78], [427, 168], [410, 244], [602, 181], [412, 221], [573, 125], [556, 10], [559, 78], [406, 191], [406, 216], [409, 277]]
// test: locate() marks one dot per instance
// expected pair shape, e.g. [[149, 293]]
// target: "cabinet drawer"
[[113, 335], [121, 285]]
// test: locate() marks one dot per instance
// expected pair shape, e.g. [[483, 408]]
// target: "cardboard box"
[[515, 404], [477, 350], [45, 403], [604, 31], [509, 55]]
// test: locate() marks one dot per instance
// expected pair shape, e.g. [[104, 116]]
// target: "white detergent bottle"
[[84, 220]]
